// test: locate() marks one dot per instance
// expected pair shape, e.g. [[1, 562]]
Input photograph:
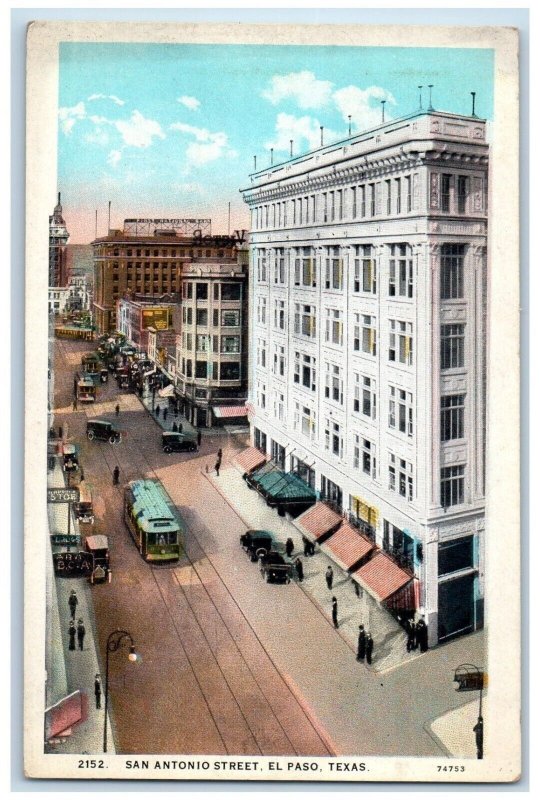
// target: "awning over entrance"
[[318, 521], [229, 411], [284, 488], [168, 391], [250, 459], [347, 546], [381, 576]]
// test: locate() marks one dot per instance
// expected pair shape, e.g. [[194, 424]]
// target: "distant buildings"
[[73, 297], [368, 293], [58, 238]]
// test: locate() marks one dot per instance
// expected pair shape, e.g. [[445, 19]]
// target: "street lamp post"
[[469, 678], [114, 642]]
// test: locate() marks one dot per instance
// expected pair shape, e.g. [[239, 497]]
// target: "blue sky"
[[171, 130]]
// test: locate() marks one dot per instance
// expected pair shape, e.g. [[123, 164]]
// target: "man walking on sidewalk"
[[334, 612], [217, 466], [299, 569], [73, 601], [117, 410], [116, 476], [369, 648], [80, 634], [72, 630], [361, 650], [289, 547], [165, 413], [75, 403], [97, 691], [329, 577], [199, 438]]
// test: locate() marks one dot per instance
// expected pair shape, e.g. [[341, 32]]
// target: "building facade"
[[135, 317], [211, 347], [58, 238], [368, 291]]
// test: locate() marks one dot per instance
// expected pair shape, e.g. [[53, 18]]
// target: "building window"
[[365, 273], [333, 438], [304, 420], [279, 314], [456, 555], [231, 319], [334, 326], [452, 485], [365, 396], [452, 415], [452, 346], [354, 191], [333, 269], [400, 347], [304, 267], [201, 291], [371, 199], [462, 193], [305, 320], [261, 394], [279, 266], [408, 194], [261, 353], [230, 344], [279, 360], [452, 258], [202, 343], [400, 271], [365, 334], [231, 291], [333, 389], [261, 310], [364, 457], [362, 201], [388, 197], [279, 405], [201, 369], [446, 181], [400, 411], [230, 371], [202, 316], [398, 195], [261, 265], [305, 371]]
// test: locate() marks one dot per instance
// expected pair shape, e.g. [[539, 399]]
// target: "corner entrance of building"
[[456, 607]]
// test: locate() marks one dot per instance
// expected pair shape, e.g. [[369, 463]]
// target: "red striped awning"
[[317, 521], [381, 576], [250, 459], [229, 411], [347, 546]]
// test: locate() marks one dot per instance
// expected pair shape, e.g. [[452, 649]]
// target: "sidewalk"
[[389, 637], [453, 731], [73, 669], [166, 425]]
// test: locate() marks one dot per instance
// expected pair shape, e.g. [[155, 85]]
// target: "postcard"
[[272, 403]]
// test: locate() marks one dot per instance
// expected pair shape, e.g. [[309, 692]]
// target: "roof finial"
[[420, 89], [382, 105], [430, 87], [473, 103]]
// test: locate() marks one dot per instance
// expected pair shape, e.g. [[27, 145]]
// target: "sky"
[[170, 130]]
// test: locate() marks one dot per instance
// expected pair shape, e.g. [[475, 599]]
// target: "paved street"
[[231, 664]]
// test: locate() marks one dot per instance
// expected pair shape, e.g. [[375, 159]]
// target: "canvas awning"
[[347, 546], [284, 488], [381, 576], [318, 521], [229, 411], [168, 391], [250, 459]]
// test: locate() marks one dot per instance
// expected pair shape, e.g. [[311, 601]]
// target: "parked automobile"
[[102, 431], [274, 568], [257, 543], [70, 457], [98, 547], [177, 442]]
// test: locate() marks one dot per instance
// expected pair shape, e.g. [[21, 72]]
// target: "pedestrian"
[[75, 404], [165, 413], [117, 409], [311, 548], [369, 648], [175, 427], [361, 649], [82, 476], [478, 730], [73, 601], [217, 466], [72, 630], [289, 547], [329, 577], [97, 691], [411, 632], [422, 634], [306, 543], [299, 569], [356, 588], [60, 432], [116, 475], [180, 428], [158, 409], [334, 612], [219, 454], [199, 437], [80, 633]]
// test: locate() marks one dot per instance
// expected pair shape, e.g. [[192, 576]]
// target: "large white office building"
[[368, 291]]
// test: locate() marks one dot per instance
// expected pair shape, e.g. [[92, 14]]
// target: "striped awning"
[[381, 576], [229, 411], [317, 521], [347, 546], [250, 459]]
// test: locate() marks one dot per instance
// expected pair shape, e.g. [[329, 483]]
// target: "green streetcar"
[[153, 520]]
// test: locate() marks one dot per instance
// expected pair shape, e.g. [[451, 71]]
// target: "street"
[[230, 665]]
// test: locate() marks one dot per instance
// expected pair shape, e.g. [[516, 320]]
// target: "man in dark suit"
[[334, 612], [361, 650]]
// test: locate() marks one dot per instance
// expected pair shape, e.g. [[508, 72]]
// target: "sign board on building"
[[62, 495], [63, 539], [73, 565], [158, 318]]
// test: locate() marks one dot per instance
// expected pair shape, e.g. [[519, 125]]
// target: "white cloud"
[[137, 131], [207, 147], [363, 105], [303, 87], [114, 157], [68, 116], [189, 102], [304, 131], [111, 97], [187, 188]]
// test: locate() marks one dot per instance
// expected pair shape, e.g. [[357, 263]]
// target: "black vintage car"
[[102, 431], [275, 569], [177, 442], [257, 543]]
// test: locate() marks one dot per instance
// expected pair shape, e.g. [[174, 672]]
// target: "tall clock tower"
[[58, 238]]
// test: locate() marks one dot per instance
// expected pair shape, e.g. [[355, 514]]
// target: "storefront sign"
[[73, 565], [62, 495], [58, 539]]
